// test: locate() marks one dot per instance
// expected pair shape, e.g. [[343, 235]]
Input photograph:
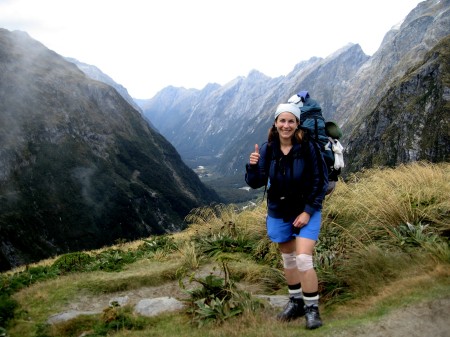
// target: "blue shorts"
[[281, 231]]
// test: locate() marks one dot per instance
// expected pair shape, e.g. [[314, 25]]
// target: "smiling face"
[[286, 124]]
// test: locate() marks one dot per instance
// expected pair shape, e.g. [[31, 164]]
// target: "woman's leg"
[[291, 272], [295, 307], [307, 273], [309, 281]]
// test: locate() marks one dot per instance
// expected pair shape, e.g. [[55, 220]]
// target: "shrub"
[[7, 307], [73, 262], [112, 260], [218, 299], [215, 244], [165, 243]]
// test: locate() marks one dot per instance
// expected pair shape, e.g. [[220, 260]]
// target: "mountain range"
[[83, 165], [402, 87]]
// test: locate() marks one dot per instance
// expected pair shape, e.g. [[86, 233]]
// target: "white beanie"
[[288, 107]]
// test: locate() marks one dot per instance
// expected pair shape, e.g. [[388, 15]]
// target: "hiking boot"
[[294, 308], [312, 316]]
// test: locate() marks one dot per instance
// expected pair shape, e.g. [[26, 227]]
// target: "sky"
[[147, 45]]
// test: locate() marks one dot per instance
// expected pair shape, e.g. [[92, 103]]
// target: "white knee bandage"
[[304, 262], [289, 260]]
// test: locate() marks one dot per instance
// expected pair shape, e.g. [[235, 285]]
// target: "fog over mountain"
[[79, 166]]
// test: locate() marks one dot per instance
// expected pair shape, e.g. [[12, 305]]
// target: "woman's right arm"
[[256, 175]]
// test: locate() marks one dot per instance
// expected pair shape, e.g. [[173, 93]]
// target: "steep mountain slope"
[[412, 121], [402, 47], [79, 167], [96, 74]]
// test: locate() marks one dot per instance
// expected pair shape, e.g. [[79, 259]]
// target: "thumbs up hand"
[[254, 156]]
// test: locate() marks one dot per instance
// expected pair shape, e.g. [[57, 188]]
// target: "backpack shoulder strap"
[[267, 160]]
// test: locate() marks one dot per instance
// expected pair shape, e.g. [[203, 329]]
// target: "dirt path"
[[428, 319]]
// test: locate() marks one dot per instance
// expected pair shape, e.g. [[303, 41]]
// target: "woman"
[[293, 169]]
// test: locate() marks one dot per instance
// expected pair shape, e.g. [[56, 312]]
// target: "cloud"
[[147, 45]]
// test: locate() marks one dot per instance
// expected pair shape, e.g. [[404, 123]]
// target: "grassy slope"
[[383, 246]]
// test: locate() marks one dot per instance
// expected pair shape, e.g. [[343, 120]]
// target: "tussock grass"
[[190, 256], [383, 243], [381, 198], [261, 278], [222, 218], [379, 224]]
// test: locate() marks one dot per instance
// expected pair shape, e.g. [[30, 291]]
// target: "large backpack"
[[325, 133]]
